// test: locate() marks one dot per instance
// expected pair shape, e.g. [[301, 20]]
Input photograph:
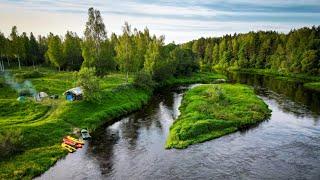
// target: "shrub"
[[90, 84], [10, 142], [216, 95], [144, 81], [162, 72]]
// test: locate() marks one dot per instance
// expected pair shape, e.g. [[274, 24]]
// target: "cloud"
[[179, 20]]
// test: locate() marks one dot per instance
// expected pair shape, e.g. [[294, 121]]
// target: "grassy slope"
[[211, 111], [44, 124]]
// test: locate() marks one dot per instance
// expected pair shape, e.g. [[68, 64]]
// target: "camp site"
[[159, 89]]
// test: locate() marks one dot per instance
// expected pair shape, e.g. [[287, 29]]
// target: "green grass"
[[312, 85], [43, 124], [204, 77], [14, 112], [211, 111]]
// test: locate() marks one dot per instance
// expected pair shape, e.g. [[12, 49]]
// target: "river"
[[286, 146]]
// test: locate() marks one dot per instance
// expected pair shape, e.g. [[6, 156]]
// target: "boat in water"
[[68, 147], [78, 141], [85, 134], [72, 143]]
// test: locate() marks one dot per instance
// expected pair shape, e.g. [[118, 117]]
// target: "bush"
[[90, 84], [10, 143], [163, 72], [144, 81], [216, 95]]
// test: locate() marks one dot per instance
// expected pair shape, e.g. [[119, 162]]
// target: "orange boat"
[[72, 143], [68, 148], [78, 141]]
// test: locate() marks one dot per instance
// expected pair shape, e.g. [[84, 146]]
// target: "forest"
[[295, 52], [134, 51]]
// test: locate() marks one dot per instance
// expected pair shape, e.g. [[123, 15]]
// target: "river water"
[[286, 146]]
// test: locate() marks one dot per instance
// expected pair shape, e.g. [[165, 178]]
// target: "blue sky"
[[178, 20]]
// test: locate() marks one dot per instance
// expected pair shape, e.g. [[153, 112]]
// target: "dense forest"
[[296, 52], [134, 51]]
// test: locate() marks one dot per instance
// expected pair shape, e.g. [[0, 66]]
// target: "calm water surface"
[[287, 146]]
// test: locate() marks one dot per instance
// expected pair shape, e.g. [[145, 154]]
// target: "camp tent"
[[41, 95], [21, 98], [74, 94]]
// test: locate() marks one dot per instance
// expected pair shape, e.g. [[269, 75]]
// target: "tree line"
[[135, 51], [295, 52], [131, 52]]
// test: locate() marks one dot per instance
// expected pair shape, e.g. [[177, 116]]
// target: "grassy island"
[[211, 111]]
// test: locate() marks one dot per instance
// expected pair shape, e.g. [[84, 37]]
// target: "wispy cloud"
[[179, 20]]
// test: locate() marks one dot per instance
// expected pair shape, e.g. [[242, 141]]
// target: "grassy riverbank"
[[310, 82], [211, 111], [312, 85], [43, 124], [205, 77], [282, 75]]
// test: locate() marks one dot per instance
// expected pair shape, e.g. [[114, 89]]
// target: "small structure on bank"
[[74, 94], [21, 99], [40, 96]]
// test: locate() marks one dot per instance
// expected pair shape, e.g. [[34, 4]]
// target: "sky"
[[179, 20]]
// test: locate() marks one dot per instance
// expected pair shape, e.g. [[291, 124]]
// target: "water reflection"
[[288, 93]]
